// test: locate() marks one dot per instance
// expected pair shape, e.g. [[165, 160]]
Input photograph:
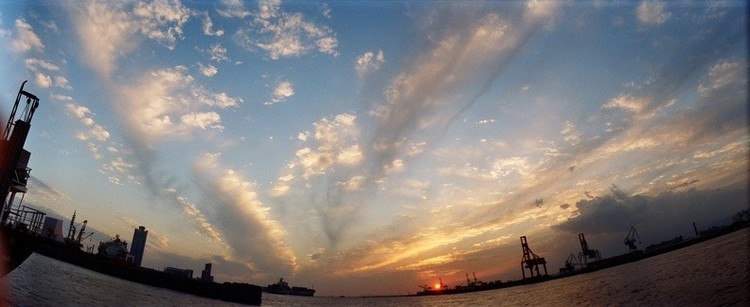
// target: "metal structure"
[[531, 261], [72, 227], [586, 253], [571, 264], [14, 173], [631, 238]]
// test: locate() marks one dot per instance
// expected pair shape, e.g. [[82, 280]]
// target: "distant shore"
[[232, 292], [591, 267]]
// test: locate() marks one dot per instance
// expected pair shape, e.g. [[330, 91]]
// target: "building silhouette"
[[206, 274], [138, 245]]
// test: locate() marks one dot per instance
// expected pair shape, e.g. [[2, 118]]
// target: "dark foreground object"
[[16, 246], [22, 245]]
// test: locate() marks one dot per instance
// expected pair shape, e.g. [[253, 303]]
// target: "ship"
[[282, 287]]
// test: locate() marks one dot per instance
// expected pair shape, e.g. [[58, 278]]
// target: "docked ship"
[[282, 287]]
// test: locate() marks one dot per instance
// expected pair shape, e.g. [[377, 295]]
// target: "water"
[[716, 272]]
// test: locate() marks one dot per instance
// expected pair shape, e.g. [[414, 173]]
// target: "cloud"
[[653, 12], [35, 65], [661, 215], [253, 235], [106, 29], [44, 193], [105, 33], [428, 95], [369, 62], [233, 9], [723, 73], [161, 20], [338, 172], [334, 144], [62, 82], [283, 34], [281, 92], [611, 213], [570, 133], [43, 81], [197, 218], [166, 103], [208, 71], [208, 25], [203, 120], [95, 135], [118, 169], [218, 53], [169, 102], [25, 39]]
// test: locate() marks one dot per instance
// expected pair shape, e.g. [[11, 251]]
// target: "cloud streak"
[[253, 235]]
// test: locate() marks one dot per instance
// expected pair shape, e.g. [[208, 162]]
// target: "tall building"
[[206, 274], [138, 245]]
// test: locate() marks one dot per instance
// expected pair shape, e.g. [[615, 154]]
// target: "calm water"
[[716, 272]]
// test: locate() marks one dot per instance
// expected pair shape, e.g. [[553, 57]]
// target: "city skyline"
[[365, 148]]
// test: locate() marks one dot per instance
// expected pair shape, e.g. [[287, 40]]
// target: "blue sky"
[[367, 147]]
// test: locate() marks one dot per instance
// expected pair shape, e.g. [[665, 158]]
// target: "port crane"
[[631, 238], [74, 239], [586, 252], [531, 261]]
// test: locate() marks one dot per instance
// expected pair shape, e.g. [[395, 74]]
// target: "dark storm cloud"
[[665, 214]]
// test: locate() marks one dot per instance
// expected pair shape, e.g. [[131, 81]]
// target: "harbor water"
[[715, 272]]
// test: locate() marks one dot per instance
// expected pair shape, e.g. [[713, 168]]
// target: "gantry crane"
[[531, 261], [586, 252], [631, 238]]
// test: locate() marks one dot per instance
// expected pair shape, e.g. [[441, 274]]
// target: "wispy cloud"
[[283, 34], [253, 235], [106, 29], [652, 12], [208, 71], [369, 62], [208, 26], [94, 135], [25, 38], [233, 9]]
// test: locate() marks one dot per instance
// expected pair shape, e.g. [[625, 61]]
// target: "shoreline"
[[242, 293], [592, 267]]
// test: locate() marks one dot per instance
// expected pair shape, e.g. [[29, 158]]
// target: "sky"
[[367, 147]]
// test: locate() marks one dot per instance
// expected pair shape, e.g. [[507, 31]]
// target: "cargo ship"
[[283, 288]]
